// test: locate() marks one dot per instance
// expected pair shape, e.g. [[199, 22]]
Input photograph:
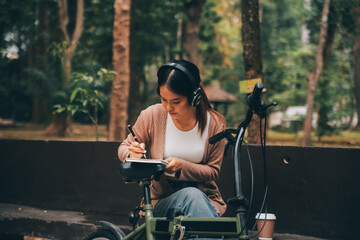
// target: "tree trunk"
[[32, 65], [134, 91], [356, 50], [314, 76], [324, 108], [250, 33], [38, 60], [39, 110], [121, 63], [72, 41], [62, 124], [193, 11]]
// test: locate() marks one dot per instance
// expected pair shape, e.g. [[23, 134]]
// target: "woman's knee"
[[196, 203], [192, 193]]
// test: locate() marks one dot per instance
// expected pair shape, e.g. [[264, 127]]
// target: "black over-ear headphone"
[[196, 95]]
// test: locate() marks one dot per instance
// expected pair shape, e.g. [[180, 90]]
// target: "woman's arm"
[[140, 129]]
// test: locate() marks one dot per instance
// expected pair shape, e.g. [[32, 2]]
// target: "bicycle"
[[179, 227]]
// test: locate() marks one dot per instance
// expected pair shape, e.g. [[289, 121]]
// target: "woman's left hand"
[[175, 164]]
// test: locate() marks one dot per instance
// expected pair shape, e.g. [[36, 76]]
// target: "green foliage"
[[95, 48], [22, 76], [87, 94], [14, 96], [156, 24], [89, 91], [286, 63], [57, 49], [155, 41], [334, 97], [210, 50]]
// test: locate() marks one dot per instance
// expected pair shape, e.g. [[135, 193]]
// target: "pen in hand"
[[133, 134]]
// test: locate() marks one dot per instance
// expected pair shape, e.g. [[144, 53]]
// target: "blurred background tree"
[[31, 75]]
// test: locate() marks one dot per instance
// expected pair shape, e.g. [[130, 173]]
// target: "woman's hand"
[[136, 150], [175, 164]]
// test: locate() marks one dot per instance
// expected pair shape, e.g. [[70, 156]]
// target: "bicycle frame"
[[179, 226], [222, 227]]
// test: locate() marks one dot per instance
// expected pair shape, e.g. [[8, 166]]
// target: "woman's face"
[[176, 105]]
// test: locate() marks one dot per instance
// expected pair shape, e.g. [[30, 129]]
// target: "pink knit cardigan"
[[150, 129]]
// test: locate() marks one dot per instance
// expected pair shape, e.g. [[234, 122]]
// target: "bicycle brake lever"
[[262, 112], [271, 104]]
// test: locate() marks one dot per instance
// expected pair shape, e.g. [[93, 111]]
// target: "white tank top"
[[188, 145]]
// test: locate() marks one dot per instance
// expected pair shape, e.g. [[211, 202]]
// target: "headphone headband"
[[183, 70]]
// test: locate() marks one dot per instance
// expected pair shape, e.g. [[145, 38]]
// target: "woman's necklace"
[[185, 126]]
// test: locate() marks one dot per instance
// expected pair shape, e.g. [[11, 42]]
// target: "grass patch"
[[344, 139], [86, 132]]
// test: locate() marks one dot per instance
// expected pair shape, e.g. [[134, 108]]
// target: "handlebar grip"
[[254, 100], [258, 89], [217, 137]]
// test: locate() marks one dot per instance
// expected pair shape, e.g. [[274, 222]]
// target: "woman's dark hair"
[[179, 83]]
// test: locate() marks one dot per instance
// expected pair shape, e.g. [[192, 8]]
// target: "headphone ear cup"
[[196, 97]]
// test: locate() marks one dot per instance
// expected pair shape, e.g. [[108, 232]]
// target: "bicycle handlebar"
[[227, 133], [254, 100], [217, 137]]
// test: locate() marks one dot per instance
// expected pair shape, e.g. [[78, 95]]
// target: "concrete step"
[[52, 224], [23, 220]]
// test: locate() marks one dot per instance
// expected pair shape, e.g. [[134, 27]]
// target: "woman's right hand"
[[175, 164], [136, 150]]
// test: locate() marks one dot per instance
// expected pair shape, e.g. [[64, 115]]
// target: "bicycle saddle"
[[132, 171]]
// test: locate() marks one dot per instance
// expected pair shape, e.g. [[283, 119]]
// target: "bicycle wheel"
[[103, 234]]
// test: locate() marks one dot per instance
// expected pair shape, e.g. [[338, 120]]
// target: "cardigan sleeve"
[[210, 167], [141, 130]]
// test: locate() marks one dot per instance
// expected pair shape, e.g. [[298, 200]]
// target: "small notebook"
[[147, 160]]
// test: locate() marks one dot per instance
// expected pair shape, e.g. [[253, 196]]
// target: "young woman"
[[178, 130]]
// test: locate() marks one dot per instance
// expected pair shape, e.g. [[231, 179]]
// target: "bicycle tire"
[[102, 234]]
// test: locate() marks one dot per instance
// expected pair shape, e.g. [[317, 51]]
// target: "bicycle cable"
[[264, 203], [252, 184]]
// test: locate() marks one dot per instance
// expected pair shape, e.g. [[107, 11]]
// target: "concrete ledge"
[[315, 192]]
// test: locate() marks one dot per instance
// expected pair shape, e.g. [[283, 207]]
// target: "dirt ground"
[[78, 132]]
